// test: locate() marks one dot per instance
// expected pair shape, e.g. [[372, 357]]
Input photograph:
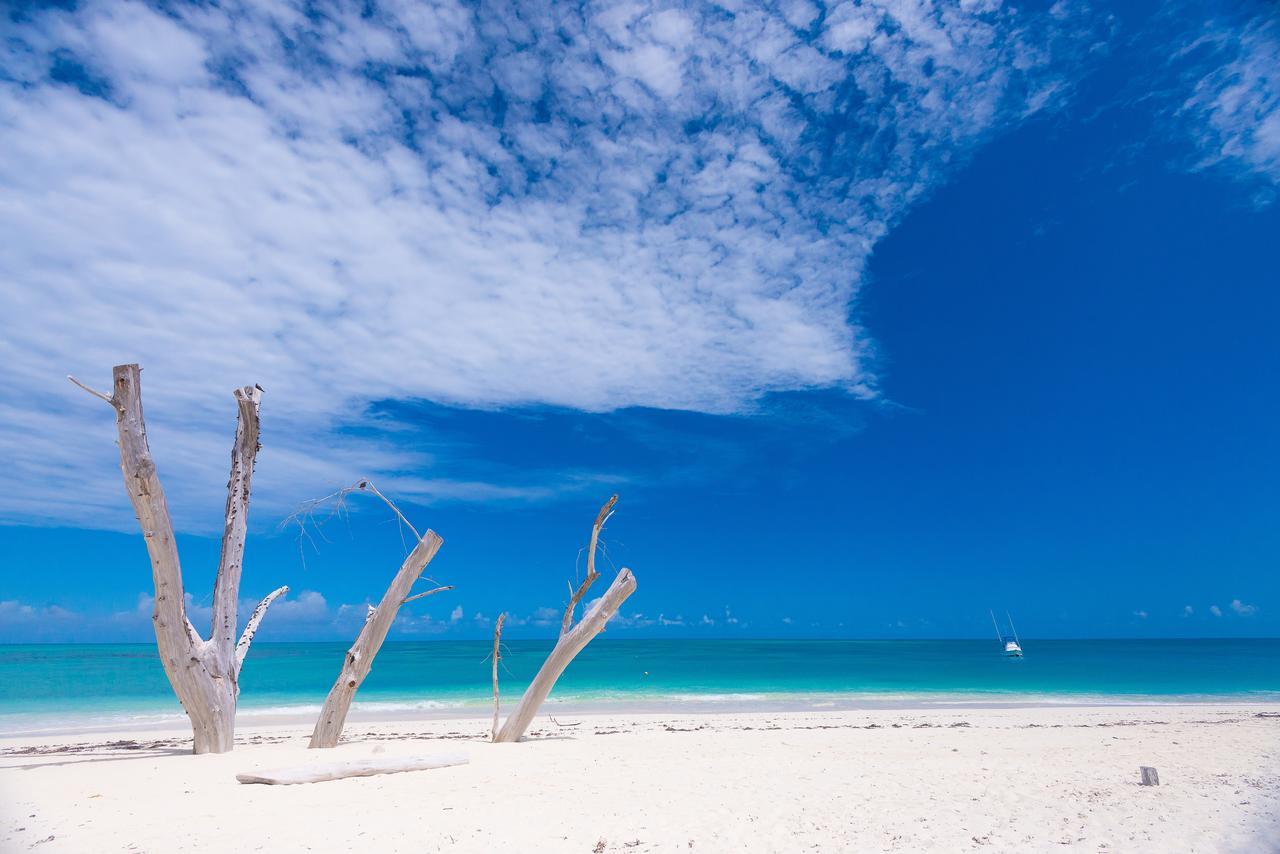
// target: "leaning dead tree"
[[205, 674], [573, 639], [359, 658]]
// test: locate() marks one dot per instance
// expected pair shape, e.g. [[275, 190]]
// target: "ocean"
[[71, 687]]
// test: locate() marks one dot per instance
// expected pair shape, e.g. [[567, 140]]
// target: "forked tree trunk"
[[360, 657], [205, 675], [573, 639], [566, 648]]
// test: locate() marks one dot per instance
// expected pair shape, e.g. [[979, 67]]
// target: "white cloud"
[[706, 621], [1187, 610], [456, 615], [1242, 609], [786, 620], [544, 616], [651, 209], [1215, 610], [1141, 615], [14, 613], [1233, 113], [307, 607]]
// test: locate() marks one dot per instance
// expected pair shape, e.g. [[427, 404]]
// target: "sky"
[[875, 315]]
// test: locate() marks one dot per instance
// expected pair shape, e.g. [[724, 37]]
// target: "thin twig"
[[95, 392], [305, 515]]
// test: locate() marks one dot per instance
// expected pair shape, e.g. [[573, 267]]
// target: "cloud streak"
[[1233, 112]]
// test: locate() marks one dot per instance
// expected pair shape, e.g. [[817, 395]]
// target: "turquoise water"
[[45, 685]]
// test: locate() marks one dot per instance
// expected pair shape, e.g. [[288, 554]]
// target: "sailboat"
[[1012, 647]]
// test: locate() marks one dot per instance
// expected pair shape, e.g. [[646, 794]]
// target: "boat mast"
[[999, 637], [1015, 631]]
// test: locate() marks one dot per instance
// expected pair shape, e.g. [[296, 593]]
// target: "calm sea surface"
[[48, 686]]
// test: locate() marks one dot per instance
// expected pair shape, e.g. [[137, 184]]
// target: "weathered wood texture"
[[573, 639], [359, 658], [320, 772], [1149, 776], [251, 627], [205, 675], [497, 656]]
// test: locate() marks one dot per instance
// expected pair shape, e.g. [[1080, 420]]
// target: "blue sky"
[[876, 315]]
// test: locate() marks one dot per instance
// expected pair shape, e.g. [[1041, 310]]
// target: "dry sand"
[[1037, 779]]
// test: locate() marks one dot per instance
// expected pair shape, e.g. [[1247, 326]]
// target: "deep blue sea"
[[50, 687]]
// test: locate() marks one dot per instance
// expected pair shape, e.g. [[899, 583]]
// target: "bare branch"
[[366, 485], [427, 593], [251, 627], [226, 587], [603, 516], [497, 655], [95, 393], [306, 512]]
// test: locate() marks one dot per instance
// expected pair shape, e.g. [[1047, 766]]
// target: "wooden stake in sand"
[[205, 674], [321, 772], [1149, 776], [573, 639]]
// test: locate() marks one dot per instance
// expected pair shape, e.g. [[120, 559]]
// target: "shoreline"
[[945, 780], [407, 710]]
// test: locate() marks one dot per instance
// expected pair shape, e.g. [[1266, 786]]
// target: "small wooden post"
[[1149, 776]]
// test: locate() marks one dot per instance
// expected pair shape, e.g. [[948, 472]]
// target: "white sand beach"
[[982, 779]]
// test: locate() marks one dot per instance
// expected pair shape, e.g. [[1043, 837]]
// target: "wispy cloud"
[[590, 207], [1215, 610], [1233, 112], [1140, 614]]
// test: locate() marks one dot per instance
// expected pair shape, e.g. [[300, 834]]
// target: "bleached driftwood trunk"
[[205, 674], [319, 773], [497, 656], [359, 659], [573, 639]]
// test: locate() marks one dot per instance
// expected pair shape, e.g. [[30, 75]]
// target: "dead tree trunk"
[[359, 659], [205, 674], [497, 656], [573, 639]]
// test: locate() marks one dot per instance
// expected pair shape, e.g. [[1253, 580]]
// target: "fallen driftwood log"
[[320, 772]]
